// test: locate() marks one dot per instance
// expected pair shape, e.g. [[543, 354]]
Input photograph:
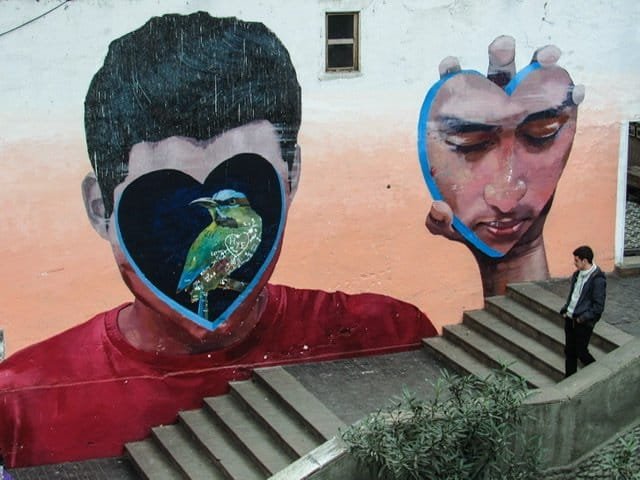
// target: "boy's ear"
[[294, 174], [94, 205]]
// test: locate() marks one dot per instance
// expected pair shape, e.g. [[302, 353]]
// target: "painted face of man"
[[496, 159]]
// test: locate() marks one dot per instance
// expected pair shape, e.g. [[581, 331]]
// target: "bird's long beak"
[[206, 202]]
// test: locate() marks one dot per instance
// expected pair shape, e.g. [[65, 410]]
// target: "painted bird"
[[228, 242]]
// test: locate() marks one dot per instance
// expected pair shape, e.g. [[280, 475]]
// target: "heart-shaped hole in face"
[[203, 248], [493, 155]]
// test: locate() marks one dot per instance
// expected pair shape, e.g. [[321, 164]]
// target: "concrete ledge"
[[574, 469], [329, 461], [584, 411]]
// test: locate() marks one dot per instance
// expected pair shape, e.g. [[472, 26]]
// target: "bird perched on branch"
[[227, 243]]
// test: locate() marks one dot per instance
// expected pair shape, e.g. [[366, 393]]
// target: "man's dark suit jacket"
[[591, 302]]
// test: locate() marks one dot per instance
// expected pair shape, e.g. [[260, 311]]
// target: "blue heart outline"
[[423, 155], [224, 316]]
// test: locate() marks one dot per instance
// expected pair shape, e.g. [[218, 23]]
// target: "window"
[[342, 42]]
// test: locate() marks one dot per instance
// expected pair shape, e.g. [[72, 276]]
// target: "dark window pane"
[[340, 26], [340, 56]]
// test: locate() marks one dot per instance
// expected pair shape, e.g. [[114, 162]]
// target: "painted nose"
[[505, 191]]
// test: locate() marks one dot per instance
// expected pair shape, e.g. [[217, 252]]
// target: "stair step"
[[258, 443], [151, 462], [186, 453], [605, 336], [495, 355], [455, 357], [221, 447], [630, 266], [532, 324], [538, 299], [527, 321], [524, 347], [609, 337], [276, 417], [299, 400]]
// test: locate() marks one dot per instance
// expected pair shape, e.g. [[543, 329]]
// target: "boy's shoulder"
[[373, 311], [59, 358]]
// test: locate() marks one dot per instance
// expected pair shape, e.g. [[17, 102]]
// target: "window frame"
[[355, 41]]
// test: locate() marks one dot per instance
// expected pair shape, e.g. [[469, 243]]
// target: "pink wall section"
[[584, 209], [356, 225], [57, 271]]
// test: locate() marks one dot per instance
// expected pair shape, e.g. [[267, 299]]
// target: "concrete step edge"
[[612, 335], [277, 417], [630, 266], [494, 355], [538, 299], [186, 453], [298, 399], [150, 462], [247, 431], [221, 446], [527, 321], [605, 336], [455, 358], [522, 346]]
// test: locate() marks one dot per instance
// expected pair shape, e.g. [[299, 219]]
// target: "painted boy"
[[191, 128]]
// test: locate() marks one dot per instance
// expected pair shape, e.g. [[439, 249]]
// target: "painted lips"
[[503, 228]]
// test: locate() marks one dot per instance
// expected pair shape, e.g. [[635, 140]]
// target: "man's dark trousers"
[[576, 345]]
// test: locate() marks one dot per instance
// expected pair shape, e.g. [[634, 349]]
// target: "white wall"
[[46, 66]]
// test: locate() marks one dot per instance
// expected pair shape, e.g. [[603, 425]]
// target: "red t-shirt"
[[85, 392]]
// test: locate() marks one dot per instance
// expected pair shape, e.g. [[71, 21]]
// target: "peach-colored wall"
[[356, 225], [56, 271]]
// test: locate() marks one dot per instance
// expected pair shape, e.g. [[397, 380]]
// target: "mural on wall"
[[492, 149], [191, 128]]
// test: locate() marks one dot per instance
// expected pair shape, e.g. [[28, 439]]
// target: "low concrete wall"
[[573, 418], [584, 411], [329, 461]]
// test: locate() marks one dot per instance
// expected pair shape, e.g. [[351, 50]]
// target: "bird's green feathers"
[[228, 242]]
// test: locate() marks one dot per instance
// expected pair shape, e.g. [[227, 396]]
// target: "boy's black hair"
[[192, 75]]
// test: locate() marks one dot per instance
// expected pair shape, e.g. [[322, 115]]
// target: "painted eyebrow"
[[544, 114], [459, 125], [551, 112]]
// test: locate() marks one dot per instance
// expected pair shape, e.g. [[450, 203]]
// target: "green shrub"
[[622, 463], [468, 431]]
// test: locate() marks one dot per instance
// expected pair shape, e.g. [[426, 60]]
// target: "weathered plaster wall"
[[357, 221]]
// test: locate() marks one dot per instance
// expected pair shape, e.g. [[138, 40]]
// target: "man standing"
[[583, 308]]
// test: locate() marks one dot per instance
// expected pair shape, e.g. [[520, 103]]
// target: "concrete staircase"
[[256, 430], [522, 330]]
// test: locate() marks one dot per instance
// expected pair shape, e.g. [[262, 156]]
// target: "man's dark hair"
[[584, 252], [187, 75]]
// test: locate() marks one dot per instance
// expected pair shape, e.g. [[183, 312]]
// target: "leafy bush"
[[468, 431], [622, 463]]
